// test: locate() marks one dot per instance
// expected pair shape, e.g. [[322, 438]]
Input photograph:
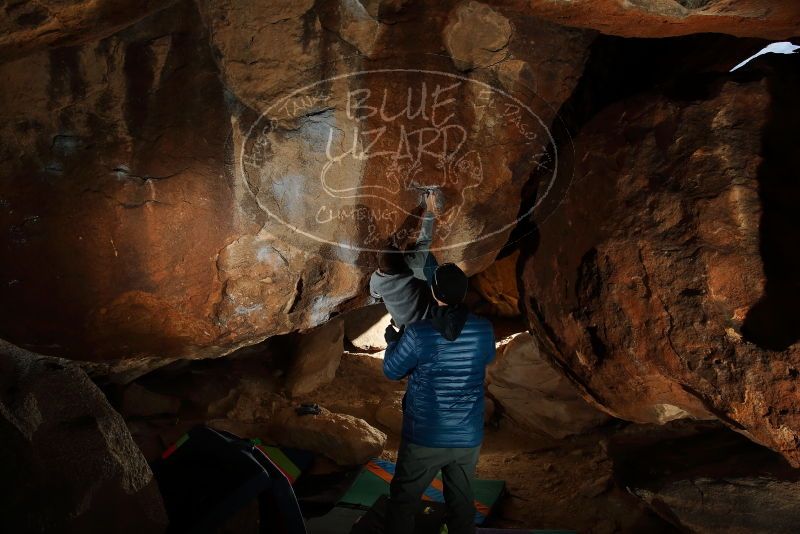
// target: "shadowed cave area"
[[195, 195]]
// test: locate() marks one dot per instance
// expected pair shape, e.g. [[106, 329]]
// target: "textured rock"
[[476, 36], [264, 49], [536, 396], [131, 243], [662, 18], [316, 358], [26, 26], [498, 286], [67, 461], [710, 481], [359, 27], [365, 327], [255, 401], [345, 439], [647, 300], [390, 412], [129, 203], [736, 505]]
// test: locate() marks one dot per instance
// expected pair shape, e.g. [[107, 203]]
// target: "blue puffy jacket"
[[443, 406]]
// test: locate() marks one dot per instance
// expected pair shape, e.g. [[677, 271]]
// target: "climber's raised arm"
[[420, 260]]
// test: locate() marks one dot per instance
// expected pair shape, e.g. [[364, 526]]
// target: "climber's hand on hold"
[[430, 202]]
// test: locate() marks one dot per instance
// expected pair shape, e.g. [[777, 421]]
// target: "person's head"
[[449, 285], [391, 260]]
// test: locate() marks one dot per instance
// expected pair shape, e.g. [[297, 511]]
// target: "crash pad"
[[429, 519], [291, 462]]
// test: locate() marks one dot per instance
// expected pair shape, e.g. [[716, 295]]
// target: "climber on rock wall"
[[445, 358], [403, 279]]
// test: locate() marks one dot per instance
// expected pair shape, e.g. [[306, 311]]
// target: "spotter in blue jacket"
[[445, 359]]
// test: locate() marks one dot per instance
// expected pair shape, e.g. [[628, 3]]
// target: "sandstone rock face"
[[736, 505], [316, 358], [476, 36], [390, 412], [536, 396], [498, 286], [648, 301], [662, 18], [710, 481], [67, 460], [29, 26], [345, 439], [215, 173], [365, 328]]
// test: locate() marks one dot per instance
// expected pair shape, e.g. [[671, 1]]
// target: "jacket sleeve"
[[421, 262], [372, 292], [401, 356]]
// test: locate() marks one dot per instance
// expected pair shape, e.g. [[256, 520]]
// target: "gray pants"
[[416, 468]]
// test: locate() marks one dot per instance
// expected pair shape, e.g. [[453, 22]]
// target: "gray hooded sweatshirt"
[[407, 296]]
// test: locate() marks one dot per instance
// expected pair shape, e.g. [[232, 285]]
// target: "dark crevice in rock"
[[590, 282], [693, 4], [65, 74], [721, 415], [598, 347], [296, 297], [138, 68], [682, 68], [774, 323], [126, 173], [550, 351]]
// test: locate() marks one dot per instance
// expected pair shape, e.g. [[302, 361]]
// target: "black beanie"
[[449, 284]]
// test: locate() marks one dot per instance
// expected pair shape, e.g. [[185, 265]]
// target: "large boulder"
[[709, 480], [67, 460], [672, 296], [315, 358], [498, 286], [188, 185], [345, 439], [535, 395], [390, 412], [739, 505], [477, 36], [365, 328]]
